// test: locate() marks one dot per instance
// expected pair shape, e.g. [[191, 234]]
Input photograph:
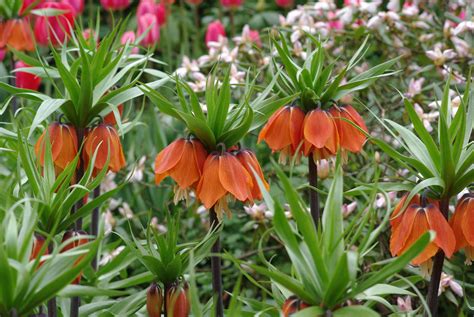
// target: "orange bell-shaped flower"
[[110, 117], [250, 163], [284, 131], [154, 300], [321, 138], [350, 137], [417, 220], [183, 161], [74, 244], [397, 214], [462, 223], [17, 33], [223, 176], [63, 140], [105, 140]]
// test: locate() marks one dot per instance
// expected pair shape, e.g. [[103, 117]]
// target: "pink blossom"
[[215, 30], [146, 6], [129, 37], [148, 24], [161, 13]]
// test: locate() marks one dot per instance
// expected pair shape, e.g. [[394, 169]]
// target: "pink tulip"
[[215, 30], [161, 13], [54, 29], [29, 4], [284, 3], [231, 3], [78, 5], [149, 23], [115, 5], [129, 37], [26, 80], [146, 6]]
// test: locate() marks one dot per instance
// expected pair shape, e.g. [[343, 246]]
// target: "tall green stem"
[[313, 193], [216, 268]]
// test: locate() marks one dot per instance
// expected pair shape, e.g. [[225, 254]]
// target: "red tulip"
[[146, 6], [78, 5], [26, 80], [115, 5], [161, 13], [284, 3], [215, 30], [231, 3], [149, 23], [17, 34], [29, 5], [74, 244], [54, 29]]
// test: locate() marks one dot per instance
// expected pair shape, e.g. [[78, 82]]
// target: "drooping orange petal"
[[456, 222], [400, 233], [468, 220], [420, 226], [210, 189], [350, 137], [234, 178], [117, 158], [277, 135], [269, 125], [297, 118], [185, 172], [318, 128], [444, 234], [200, 155], [167, 159], [68, 148], [396, 216], [250, 163]]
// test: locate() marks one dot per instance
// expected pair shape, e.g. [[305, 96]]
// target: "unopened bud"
[[154, 300], [177, 304]]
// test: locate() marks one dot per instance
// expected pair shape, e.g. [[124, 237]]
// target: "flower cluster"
[[318, 133], [215, 177]]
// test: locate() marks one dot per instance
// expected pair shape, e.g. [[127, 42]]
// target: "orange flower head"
[[397, 212], [177, 303], [105, 140], [350, 137], [110, 117], [154, 300], [38, 244], [321, 138], [284, 131], [250, 163], [17, 34], [462, 223], [64, 145], [74, 244], [223, 176], [183, 161], [417, 220]]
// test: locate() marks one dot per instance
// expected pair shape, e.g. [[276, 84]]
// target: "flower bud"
[[154, 300], [177, 304]]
